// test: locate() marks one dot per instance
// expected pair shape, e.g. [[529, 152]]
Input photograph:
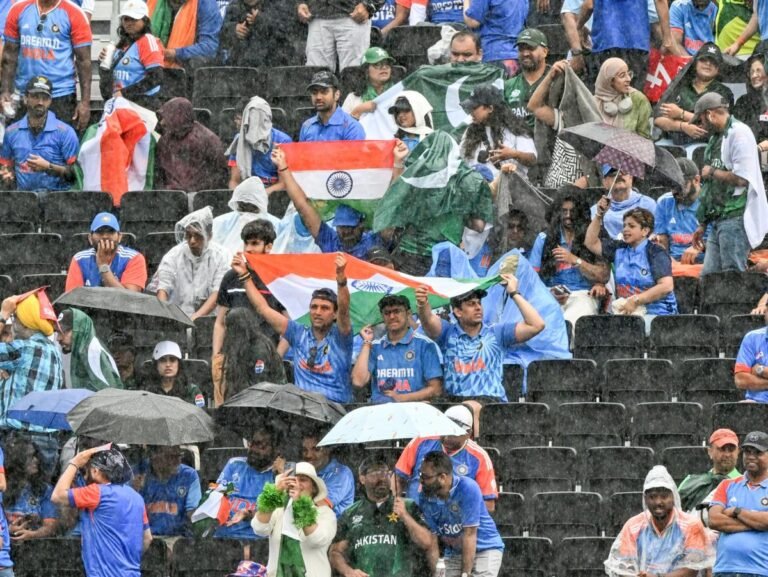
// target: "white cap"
[[166, 348], [461, 415], [136, 9]]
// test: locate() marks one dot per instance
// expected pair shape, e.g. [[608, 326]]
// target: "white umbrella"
[[390, 421]]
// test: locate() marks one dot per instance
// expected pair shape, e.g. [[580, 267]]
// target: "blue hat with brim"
[[105, 219], [347, 216]]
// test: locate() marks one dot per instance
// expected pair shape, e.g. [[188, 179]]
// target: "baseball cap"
[[346, 216], [120, 341], [607, 169], [105, 219], [136, 9], [483, 95], [378, 255], [757, 440], [166, 348], [723, 437], [376, 54], [474, 293], [709, 50], [688, 168], [39, 84], [461, 415], [325, 294], [706, 102], [324, 79], [532, 37]]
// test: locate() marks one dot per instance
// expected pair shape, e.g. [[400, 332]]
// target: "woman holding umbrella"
[[295, 515]]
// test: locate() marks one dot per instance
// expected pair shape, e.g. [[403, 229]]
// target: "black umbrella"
[[124, 305], [140, 418], [628, 151], [259, 403]]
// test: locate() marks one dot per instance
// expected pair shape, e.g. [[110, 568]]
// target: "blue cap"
[[607, 169], [485, 171], [105, 219], [347, 216]]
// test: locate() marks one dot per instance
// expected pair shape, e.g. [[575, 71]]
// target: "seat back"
[[58, 556], [19, 211], [604, 337], [562, 381], [145, 211], [733, 331], [510, 425], [707, 381], [212, 462], [509, 515], [677, 337], [619, 507], [741, 418], [684, 461], [217, 199], [584, 425], [730, 293], [71, 211], [632, 381], [526, 556], [530, 470], [611, 470], [556, 515], [206, 557], [662, 425], [33, 253], [582, 556]]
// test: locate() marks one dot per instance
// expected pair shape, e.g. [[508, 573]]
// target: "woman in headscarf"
[[377, 66], [413, 117], [250, 153], [250, 357], [249, 202], [296, 516], [619, 103], [662, 539], [190, 273], [751, 108]]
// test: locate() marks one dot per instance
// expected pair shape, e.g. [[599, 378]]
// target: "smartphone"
[[290, 468]]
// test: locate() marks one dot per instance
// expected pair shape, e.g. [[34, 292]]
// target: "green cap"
[[376, 54], [532, 37]]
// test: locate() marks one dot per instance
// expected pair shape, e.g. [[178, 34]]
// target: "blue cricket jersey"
[[249, 484], [677, 221], [169, 501]]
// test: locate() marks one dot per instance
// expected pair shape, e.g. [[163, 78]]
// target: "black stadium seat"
[[632, 381], [734, 330], [684, 461], [707, 381], [507, 425], [582, 556], [33, 253], [155, 562], [509, 515], [731, 293], [212, 462], [220, 87], [662, 425], [58, 556], [562, 381], [741, 418], [513, 382], [611, 470], [408, 44], [19, 211], [530, 470], [154, 245], [526, 556], [584, 425], [217, 199], [678, 337], [560, 514], [145, 211], [206, 557], [72, 211], [54, 281], [604, 337], [6, 286], [618, 508]]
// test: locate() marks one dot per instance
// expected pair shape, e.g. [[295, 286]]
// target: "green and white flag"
[[444, 87]]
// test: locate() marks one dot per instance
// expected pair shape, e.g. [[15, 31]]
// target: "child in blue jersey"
[[6, 564], [115, 530], [454, 510], [642, 269]]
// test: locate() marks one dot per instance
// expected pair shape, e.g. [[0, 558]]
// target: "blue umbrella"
[[48, 408]]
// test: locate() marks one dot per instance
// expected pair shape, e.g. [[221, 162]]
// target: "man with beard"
[[454, 510], [381, 535], [323, 350], [723, 451], [575, 277], [731, 175], [692, 23], [739, 510], [330, 122], [248, 475], [39, 151], [533, 49], [676, 216], [662, 540], [405, 365], [346, 233], [338, 478]]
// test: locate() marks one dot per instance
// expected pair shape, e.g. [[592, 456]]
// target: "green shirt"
[[717, 199], [517, 92], [377, 540], [687, 97], [695, 488]]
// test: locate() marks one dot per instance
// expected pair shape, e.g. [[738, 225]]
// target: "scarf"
[[91, 366], [176, 32], [605, 92]]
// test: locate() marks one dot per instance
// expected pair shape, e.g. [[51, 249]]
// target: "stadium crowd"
[[580, 165]]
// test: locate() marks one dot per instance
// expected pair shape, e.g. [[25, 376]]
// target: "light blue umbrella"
[[390, 421], [48, 408]]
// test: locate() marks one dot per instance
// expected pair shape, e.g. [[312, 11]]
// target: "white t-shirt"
[[521, 143]]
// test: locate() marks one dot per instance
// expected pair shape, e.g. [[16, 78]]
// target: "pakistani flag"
[[439, 190], [91, 365], [292, 278], [443, 86]]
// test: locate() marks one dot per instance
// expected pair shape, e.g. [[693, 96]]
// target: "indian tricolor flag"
[[352, 172], [117, 154], [292, 278]]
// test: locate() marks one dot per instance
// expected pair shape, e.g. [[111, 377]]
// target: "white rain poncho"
[[188, 279], [227, 227], [684, 543], [293, 237]]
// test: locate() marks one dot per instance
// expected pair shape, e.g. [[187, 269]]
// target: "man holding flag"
[[472, 351], [323, 350]]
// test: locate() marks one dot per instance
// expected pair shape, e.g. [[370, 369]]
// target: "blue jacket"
[[207, 37]]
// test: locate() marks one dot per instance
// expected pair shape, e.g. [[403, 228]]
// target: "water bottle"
[[440, 568], [106, 62]]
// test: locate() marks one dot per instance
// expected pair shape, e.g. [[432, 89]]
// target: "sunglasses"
[[43, 18], [312, 359]]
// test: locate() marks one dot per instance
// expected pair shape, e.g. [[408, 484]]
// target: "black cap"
[[39, 84], [474, 293], [324, 79], [325, 294], [757, 440], [378, 255], [688, 168], [483, 95], [120, 340], [710, 50], [402, 104]]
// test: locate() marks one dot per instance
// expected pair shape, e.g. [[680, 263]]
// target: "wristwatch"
[[759, 370], [578, 262], [104, 269]]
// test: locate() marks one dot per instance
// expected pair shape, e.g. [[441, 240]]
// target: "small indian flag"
[[352, 172], [292, 278]]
